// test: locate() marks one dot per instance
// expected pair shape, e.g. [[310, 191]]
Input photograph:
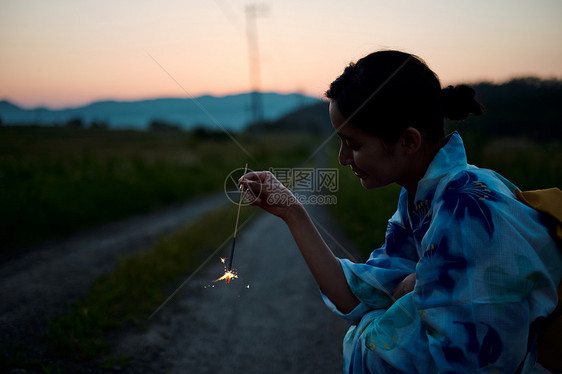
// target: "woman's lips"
[[358, 174]]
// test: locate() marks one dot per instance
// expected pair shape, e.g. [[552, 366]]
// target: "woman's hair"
[[388, 91]]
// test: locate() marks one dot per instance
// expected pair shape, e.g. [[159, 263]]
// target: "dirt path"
[[269, 320], [40, 282]]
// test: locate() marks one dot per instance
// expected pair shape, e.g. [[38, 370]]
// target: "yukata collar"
[[450, 158]]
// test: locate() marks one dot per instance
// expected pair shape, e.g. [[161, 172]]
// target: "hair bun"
[[459, 101]]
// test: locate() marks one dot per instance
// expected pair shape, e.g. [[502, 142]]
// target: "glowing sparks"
[[228, 275]]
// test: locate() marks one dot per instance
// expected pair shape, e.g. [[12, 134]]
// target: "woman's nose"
[[344, 156]]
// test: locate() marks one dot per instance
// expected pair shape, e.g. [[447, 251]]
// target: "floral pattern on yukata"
[[466, 195]]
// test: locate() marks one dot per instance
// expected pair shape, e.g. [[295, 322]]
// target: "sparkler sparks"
[[228, 274]]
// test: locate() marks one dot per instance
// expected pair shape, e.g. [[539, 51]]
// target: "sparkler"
[[228, 274]]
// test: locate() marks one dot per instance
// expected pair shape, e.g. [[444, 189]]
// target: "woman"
[[466, 271]]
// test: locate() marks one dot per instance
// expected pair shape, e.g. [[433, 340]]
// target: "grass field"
[[57, 180]]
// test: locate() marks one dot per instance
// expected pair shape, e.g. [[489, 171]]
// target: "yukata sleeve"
[[489, 270], [373, 282]]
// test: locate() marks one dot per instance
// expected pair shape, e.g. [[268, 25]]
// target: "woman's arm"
[[405, 286], [264, 190], [325, 267]]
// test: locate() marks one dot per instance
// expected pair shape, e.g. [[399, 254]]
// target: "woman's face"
[[373, 161]]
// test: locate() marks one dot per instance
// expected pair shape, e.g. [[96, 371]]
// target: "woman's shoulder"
[[486, 196], [480, 183], [478, 194]]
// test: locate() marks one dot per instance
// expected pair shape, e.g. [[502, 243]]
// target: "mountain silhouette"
[[231, 112], [313, 118]]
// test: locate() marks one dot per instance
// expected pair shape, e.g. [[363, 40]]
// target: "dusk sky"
[[61, 53]]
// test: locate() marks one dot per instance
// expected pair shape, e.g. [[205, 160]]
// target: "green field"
[[58, 180]]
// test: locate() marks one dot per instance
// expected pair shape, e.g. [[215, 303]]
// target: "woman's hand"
[[405, 286], [262, 189]]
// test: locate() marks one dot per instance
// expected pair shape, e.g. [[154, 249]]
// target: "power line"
[[254, 11]]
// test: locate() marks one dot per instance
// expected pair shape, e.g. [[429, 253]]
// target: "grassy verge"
[[528, 164], [57, 180], [138, 285]]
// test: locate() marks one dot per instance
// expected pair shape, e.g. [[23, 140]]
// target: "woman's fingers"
[[259, 176], [264, 190], [256, 181], [251, 190]]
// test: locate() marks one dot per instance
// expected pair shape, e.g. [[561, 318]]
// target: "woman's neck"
[[419, 165]]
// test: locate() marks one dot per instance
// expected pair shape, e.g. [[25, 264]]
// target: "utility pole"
[[253, 11]]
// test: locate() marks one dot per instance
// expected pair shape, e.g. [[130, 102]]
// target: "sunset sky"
[[61, 53]]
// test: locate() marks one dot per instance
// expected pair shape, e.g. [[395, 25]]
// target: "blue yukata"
[[487, 270]]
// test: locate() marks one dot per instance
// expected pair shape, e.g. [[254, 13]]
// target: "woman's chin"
[[370, 184], [366, 183]]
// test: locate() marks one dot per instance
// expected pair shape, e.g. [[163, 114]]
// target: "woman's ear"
[[410, 141]]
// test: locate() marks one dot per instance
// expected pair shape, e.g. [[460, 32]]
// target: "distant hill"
[[7, 107], [231, 112], [310, 118]]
